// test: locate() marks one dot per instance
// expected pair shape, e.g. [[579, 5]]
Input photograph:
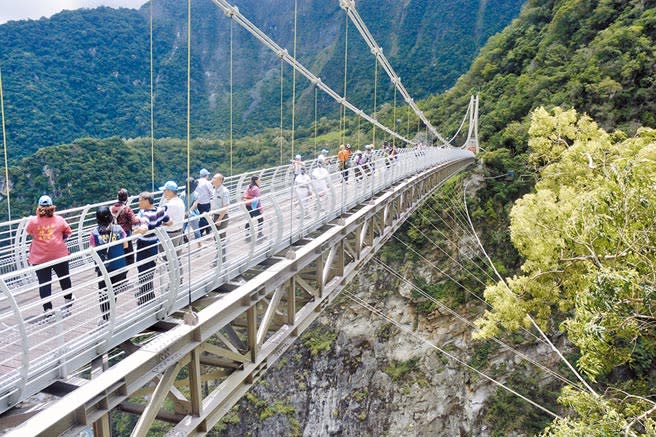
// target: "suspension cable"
[[359, 130], [394, 115], [4, 145], [531, 319], [294, 79], [316, 97], [407, 134], [343, 108], [471, 324], [188, 196], [234, 14], [469, 291], [231, 95], [152, 105], [462, 124], [282, 112], [407, 331], [351, 11], [375, 98]]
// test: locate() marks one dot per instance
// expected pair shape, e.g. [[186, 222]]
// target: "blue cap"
[[204, 172], [170, 185], [45, 200], [324, 151]]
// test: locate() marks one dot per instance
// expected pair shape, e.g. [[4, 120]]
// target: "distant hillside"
[[596, 56], [86, 72]]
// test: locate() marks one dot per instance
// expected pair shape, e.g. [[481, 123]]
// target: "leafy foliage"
[[587, 239]]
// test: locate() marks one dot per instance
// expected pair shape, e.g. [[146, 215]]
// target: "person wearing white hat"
[[303, 190], [175, 209], [204, 192], [49, 233], [320, 178], [297, 164]]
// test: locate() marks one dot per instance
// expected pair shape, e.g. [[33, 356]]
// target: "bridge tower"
[[471, 143]]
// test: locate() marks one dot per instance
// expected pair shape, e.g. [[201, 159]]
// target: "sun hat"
[[45, 200], [170, 186]]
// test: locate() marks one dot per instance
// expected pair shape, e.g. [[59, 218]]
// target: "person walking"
[[220, 203], [113, 257], [193, 215], [126, 219], [303, 191], [343, 159], [320, 178], [297, 165], [254, 207], [204, 191], [147, 245], [49, 233], [175, 209]]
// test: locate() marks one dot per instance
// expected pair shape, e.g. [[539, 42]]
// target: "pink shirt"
[[48, 234]]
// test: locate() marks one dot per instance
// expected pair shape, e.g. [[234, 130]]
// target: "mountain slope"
[[86, 72]]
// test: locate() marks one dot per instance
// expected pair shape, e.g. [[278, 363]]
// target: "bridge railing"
[[14, 241], [34, 351]]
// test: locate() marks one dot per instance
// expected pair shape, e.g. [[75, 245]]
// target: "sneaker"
[[102, 322], [47, 317], [66, 309]]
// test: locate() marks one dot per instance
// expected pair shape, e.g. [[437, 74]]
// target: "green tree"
[[587, 238]]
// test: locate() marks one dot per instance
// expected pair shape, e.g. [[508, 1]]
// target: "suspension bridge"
[[226, 305]]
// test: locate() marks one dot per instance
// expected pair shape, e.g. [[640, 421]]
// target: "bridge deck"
[[33, 354]]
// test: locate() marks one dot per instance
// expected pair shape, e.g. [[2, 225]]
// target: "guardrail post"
[[111, 298], [80, 226], [24, 370], [218, 276], [173, 267]]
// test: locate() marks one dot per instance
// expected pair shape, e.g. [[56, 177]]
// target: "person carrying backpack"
[[125, 218], [343, 157], [103, 237]]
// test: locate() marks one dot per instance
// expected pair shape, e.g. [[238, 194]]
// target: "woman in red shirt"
[[254, 207], [49, 233]]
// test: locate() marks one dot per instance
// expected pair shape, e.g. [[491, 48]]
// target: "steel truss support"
[[242, 334]]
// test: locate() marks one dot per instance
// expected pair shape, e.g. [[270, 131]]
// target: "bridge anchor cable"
[[233, 13], [377, 51]]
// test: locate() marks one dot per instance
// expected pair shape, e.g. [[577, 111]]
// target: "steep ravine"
[[353, 373]]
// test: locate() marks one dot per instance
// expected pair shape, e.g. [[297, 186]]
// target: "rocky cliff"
[[354, 373]]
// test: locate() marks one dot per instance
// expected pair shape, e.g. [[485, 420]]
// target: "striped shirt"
[[152, 218]]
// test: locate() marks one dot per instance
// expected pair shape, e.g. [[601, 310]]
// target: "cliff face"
[[354, 373]]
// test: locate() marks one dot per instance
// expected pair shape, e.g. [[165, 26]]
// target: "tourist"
[[49, 233], [303, 190], [358, 161], [254, 207], [320, 178], [204, 192], [193, 215], [323, 156], [220, 203], [113, 257], [125, 218], [147, 245], [175, 209], [343, 160], [297, 164]]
